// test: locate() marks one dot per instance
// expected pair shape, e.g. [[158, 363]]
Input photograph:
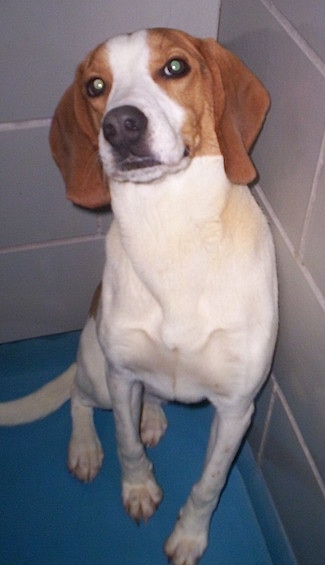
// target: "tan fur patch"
[[193, 91], [95, 66]]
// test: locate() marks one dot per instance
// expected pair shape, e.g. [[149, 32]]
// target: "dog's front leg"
[[140, 492], [190, 535]]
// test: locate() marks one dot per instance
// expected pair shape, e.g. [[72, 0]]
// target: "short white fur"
[[128, 59]]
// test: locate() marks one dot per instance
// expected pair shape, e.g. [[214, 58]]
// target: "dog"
[[160, 124]]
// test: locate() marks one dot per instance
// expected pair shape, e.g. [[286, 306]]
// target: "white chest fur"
[[189, 282]]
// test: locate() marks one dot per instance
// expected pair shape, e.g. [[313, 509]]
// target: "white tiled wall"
[[284, 43], [52, 253]]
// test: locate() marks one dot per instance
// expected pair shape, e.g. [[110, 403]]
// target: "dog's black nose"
[[124, 127]]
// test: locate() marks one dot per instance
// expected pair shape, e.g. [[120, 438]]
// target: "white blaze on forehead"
[[133, 85], [128, 57]]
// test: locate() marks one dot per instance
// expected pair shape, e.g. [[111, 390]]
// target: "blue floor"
[[48, 518]]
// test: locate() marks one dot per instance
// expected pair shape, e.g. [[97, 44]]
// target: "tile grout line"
[[51, 243], [25, 124], [311, 202], [300, 438], [295, 35], [304, 270], [266, 424]]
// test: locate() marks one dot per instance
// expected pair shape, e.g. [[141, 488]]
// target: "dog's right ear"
[[240, 106], [74, 145]]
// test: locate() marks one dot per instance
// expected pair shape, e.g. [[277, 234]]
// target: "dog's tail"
[[40, 403]]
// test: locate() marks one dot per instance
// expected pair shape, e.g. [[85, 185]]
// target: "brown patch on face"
[[95, 66], [193, 91], [74, 134], [95, 302]]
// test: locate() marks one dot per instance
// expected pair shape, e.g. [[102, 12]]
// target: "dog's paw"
[[85, 457], [183, 547], [141, 500], [153, 424]]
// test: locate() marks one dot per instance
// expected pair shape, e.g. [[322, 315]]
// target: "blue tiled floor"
[[49, 518]]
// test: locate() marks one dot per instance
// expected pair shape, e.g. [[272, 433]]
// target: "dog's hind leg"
[[90, 390], [153, 421], [85, 454]]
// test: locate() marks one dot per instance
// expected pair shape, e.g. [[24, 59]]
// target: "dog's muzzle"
[[125, 129]]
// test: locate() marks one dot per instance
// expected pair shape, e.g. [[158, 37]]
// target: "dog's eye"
[[95, 87], [176, 68]]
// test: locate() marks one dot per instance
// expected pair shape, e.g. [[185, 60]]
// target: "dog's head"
[[143, 105]]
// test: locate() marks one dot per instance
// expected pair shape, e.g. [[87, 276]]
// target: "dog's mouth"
[[145, 168], [132, 163]]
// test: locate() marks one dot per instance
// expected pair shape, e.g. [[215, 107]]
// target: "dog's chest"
[[182, 301], [175, 349], [186, 350], [176, 325]]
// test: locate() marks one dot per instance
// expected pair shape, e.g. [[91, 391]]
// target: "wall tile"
[[300, 354], [286, 153], [49, 289], [308, 18], [32, 198], [42, 42], [314, 255], [297, 496]]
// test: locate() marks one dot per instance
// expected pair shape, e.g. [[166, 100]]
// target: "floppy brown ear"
[[240, 105], [74, 146]]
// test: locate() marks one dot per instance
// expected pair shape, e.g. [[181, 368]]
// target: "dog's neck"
[[169, 231], [172, 207]]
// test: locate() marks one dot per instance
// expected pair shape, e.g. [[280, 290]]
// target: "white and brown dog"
[[160, 124]]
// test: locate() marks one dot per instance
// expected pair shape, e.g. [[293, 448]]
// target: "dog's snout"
[[124, 127]]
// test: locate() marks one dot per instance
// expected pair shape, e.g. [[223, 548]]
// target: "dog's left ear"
[[74, 145], [240, 106]]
